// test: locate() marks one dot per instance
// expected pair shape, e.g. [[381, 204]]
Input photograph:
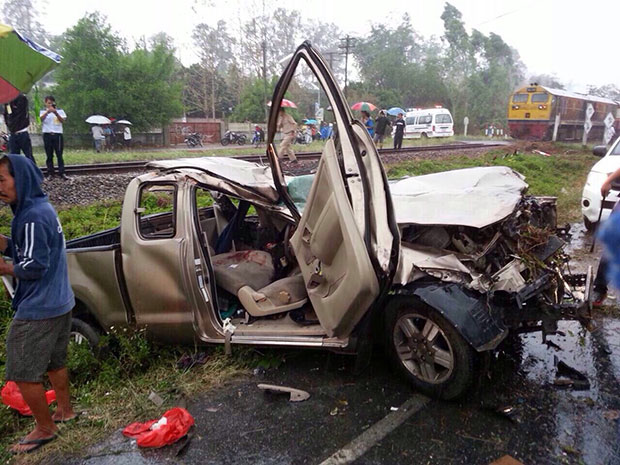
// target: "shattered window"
[[156, 211], [426, 119]]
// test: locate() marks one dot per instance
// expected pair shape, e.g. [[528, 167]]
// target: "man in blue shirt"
[[39, 334]]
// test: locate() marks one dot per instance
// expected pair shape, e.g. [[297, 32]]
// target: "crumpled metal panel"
[[473, 197], [238, 175], [480, 324]]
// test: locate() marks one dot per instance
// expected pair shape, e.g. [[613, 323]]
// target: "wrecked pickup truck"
[[218, 250]]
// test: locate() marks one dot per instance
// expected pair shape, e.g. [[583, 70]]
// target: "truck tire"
[[84, 333], [424, 347]]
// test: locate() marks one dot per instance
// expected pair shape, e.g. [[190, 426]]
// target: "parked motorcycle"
[[232, 138], [303, 137], [193, 139]]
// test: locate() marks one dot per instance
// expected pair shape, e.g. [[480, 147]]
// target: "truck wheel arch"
[[466, 310]]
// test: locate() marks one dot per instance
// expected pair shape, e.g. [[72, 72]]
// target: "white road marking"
[[362, 444]]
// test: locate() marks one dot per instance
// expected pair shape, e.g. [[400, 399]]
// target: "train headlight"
[[515, 107], [542, 107]]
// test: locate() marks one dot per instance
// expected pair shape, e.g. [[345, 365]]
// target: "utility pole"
[[348, 44]]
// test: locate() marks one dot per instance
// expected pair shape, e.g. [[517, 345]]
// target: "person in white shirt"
[[127, 136], [98, 137], [51, 127]]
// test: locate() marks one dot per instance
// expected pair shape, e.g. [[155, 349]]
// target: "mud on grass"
[[562, 175]]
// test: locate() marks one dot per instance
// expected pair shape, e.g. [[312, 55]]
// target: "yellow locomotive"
[[532, 111]]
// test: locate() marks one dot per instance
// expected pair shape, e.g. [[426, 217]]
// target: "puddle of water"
[[578, 416]]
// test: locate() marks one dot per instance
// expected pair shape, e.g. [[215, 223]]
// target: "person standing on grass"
[[368, 122], [127, 137], [52, 119], [399, 131], [17, 121], [381, 125], [39, 333], [98, 137], [288, 126]]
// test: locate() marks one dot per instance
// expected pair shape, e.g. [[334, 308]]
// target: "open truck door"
[[347, 240]]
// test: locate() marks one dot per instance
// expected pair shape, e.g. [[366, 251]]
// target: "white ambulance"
[[428, 122]]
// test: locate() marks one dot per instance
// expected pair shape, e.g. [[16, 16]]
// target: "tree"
[[99, 76], [23, 15], [608, 91], [206, 81], [549, 80]]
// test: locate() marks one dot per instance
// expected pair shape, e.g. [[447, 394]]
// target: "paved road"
[[375, 418]]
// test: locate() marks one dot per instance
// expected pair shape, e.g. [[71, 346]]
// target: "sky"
[[574, 40]]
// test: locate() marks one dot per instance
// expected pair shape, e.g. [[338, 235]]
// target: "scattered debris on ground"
[[296, 395]]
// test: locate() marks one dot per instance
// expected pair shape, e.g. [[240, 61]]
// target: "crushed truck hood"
[[473, 197]]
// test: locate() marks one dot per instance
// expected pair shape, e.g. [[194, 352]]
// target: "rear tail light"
[[433, 128]]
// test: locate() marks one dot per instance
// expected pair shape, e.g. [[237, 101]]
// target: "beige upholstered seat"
[[249, 274], [280, 296], [233, 270]]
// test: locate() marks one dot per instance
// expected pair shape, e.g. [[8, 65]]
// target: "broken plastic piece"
[[156, 399], [296, 395]]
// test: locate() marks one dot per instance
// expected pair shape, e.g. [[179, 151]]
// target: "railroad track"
[[131, 166]]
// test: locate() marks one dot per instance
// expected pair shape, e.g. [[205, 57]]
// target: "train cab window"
[[519, 98], [540, 98]]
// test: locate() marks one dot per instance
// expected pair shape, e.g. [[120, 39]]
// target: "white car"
[[591, 198]]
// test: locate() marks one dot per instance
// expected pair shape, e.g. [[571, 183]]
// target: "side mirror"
[[600, 150]]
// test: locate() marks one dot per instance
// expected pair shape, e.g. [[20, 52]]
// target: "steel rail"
[[139, 165]]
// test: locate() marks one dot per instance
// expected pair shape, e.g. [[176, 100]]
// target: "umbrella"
[[363, 106], [310, 121], [285, 103], [98, 119], [124, 121], [22, 63], [394, 111]]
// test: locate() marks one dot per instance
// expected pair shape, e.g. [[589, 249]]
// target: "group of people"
[[378, 130], [17, 120], [104, 137], [383, 126]]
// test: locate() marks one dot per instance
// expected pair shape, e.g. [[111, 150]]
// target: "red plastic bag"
[[172, 426], [13, 398]]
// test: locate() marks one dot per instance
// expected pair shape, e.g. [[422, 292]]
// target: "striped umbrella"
[[22, 63], [363, 106]]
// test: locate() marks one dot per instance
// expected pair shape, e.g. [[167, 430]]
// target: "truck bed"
[[109, 238]]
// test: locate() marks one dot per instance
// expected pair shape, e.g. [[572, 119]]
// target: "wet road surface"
[[515, 410]]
